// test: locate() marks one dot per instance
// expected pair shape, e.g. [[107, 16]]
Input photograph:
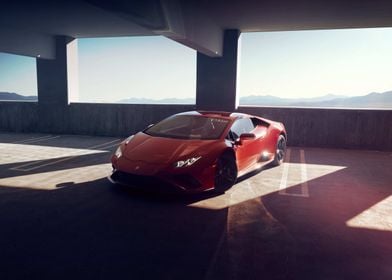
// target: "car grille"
[[187, 180], [155, 184], [147, 183]]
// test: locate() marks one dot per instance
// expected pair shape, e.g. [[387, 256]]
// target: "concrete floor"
[[324, 214]]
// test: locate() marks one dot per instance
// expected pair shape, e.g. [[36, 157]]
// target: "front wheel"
[[280, 151], [226, 173]]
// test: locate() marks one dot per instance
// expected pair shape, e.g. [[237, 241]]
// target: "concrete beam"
[[21, 42], [216, 84], [187, 24], [181, 21]]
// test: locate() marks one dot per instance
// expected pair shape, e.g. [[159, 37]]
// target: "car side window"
[[257, 122], [240, 126]]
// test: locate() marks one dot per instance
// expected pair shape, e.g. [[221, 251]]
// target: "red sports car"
[[198, 151]]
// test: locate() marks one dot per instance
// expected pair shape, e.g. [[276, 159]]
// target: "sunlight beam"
[[16, 153], [269, 181], [377, 217]]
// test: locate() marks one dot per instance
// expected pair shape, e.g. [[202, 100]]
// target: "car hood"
[[151, 149]]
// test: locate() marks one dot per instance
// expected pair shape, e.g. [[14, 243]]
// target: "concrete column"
[[54, 81], [52, 74], [217, 77]]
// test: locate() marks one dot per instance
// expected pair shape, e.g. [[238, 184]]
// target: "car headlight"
[[186, 163], [118, 152]]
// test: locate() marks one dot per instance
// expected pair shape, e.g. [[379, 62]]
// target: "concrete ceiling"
[[270, 15], [29, 27]]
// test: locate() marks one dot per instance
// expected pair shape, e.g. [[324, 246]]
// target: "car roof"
[[216, 114]]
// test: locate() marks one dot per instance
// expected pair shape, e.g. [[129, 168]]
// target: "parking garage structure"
[[324, 214]]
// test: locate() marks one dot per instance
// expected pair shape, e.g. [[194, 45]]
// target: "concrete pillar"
[[52, 76], [54, 79], [217, 77]]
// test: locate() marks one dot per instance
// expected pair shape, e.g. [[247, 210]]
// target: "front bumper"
[[181, 183]]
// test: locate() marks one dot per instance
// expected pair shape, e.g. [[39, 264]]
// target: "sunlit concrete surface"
[[378, 217], [52, 161], [323, 214]]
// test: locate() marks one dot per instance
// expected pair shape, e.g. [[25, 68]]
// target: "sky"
[[315, 63], [144, 67], [285, 64], [18, 74]]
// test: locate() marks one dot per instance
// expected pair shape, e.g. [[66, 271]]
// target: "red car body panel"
[[155, 157]]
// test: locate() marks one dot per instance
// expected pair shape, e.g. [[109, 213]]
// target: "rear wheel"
[[280, 151], [226, 173]]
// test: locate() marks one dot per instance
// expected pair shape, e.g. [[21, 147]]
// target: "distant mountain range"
[[12, 96], [371, 100], [277, 101]]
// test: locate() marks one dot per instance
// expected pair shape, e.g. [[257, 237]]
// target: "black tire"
[[226, 173], [280, 151]]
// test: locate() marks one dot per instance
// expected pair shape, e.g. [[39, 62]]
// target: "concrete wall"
[[118, 119], [84, 118], [332, 128], [18, 116]]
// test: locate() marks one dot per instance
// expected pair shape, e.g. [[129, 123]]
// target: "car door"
[[247, 151]]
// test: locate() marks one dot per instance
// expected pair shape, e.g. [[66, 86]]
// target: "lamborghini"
[[198, 151]]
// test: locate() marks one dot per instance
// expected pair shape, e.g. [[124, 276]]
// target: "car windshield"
[[189, 127]]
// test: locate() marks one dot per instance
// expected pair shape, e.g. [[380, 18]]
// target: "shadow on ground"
[[94, 230]]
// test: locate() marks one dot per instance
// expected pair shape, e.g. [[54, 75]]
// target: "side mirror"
[[244, 137]]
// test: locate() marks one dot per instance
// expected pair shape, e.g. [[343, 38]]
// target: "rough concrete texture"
[[332, 128], [329, 128], [84, 118], [52, 80], [323, 214], [118, 119], [217, 75], [18, 116]]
